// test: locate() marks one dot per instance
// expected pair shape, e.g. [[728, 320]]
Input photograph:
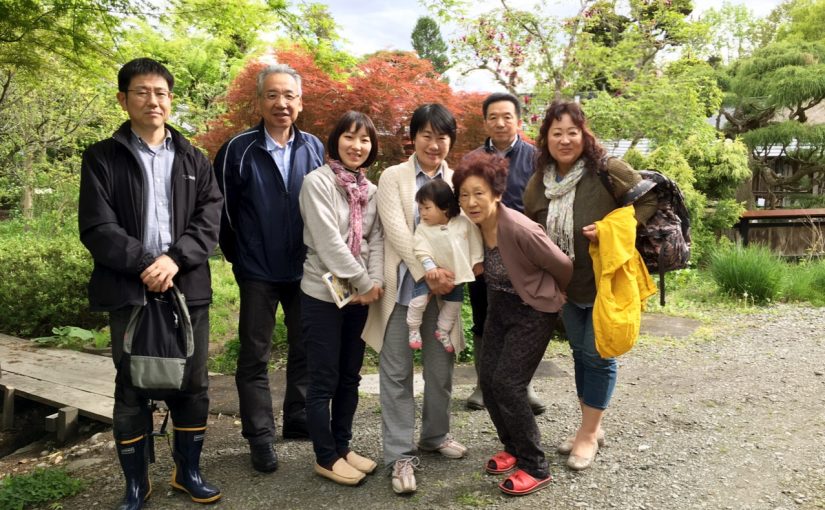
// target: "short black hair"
[[437, 116], [141, 66], [353, 120], [495, 97], [441, 194]]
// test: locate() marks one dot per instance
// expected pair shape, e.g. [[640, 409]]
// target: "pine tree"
[[427, 41]]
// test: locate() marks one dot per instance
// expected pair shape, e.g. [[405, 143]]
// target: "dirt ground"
[[728, 417]]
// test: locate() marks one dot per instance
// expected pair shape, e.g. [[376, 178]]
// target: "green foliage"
[[468, 354], [40, 486], [46, 271], [784, 134], [733, 32], [806, 282], [635, 159], [72, 337], [781, 80], [668, 159], [78, 32], [315, 28], [805, 21], [670, 107], [782, 75], [226, 302], [226, 361], [720, 165], [44, 121], [724, 215], [752, 273], [427, 41]]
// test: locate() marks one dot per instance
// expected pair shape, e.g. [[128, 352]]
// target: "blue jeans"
[[595, 376]]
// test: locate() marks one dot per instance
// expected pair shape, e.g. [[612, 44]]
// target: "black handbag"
[[158, 345]]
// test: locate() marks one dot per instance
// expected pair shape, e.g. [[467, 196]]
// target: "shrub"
[[40, 486], [46, 271], [806, 282], [753, 273]]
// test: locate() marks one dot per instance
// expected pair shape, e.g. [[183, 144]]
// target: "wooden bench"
[[773, 218], [73, 382]]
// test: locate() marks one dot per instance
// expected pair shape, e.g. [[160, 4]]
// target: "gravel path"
[[730, 417]]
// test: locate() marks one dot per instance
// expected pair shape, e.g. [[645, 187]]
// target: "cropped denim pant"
[[595, 376]]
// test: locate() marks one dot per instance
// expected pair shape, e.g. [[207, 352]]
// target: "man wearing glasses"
[[148, 213], [260, 172]]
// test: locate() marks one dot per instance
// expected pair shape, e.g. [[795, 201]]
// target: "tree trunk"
[[27, 200]]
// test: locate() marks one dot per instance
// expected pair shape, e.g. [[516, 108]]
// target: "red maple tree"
[[387, 86]]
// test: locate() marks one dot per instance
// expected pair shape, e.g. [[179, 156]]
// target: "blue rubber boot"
[[134, 460], [186, 476]]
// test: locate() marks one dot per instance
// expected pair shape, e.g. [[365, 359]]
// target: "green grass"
[[226, 302], [805, 282], [223, 322], [40, 486]]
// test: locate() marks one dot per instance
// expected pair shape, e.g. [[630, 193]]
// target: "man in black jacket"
[[149, 214], [260, 172]]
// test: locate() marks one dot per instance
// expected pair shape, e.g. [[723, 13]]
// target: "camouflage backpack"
[[664, 240]]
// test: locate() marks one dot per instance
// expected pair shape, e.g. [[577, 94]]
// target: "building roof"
[[618, 148], [776, 150]]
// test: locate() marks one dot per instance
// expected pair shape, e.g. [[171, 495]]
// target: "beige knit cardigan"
[[396, 208]]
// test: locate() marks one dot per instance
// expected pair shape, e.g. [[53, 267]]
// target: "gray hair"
[[277, 69]]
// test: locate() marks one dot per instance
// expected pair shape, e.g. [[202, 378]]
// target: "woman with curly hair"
[[526, 275], [567, 194]]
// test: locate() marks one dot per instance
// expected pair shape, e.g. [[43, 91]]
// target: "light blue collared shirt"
[[405, 289], [156, 163], [281, 154]]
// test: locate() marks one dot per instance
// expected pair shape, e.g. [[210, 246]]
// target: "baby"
[[444, 239]]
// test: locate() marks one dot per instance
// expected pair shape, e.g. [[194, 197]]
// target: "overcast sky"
[[387, 24]]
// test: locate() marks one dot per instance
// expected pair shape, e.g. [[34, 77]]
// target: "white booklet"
[[340, 289]]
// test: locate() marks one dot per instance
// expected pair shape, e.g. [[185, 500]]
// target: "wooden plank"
[[86, 372], [783, 213], [92, 405]]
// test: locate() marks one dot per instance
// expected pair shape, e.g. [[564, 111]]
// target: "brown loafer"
[[341, 473], [362, 464]]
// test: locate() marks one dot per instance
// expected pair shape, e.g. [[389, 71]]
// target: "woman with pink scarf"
[[343, 236]]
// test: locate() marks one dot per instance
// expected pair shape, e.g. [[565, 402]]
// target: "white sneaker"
[[403, 475], [449, 448]]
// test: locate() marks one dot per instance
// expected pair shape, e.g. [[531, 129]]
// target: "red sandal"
[[500, 463], [520, 484]]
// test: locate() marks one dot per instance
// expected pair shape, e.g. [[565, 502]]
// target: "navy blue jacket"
[[111, 220], [261, 225], [522, 160]]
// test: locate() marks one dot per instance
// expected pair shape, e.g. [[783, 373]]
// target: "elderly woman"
[[526, 275], [433, 132], [343, 236], [567, 194]]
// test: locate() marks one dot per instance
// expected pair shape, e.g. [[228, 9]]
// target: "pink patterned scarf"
[[355, 184]]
